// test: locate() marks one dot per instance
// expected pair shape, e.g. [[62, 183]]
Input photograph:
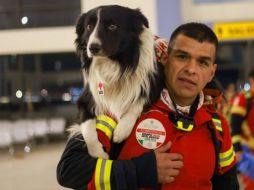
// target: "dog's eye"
[[112, 27], [89, 27]]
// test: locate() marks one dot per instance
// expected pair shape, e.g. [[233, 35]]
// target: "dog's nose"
[[95, 48]]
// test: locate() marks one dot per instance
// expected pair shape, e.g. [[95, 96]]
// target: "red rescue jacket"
[[196, 146], [154, 129]]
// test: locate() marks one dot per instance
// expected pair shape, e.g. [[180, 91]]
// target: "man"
[[226, 105], [242, 123], [179, 143]]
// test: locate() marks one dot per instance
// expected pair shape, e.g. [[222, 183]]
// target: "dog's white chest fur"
[[105, 72]]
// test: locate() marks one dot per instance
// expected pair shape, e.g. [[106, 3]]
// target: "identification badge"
[[150, 133], [101, 88]]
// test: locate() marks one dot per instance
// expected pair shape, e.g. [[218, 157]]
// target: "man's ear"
[[165, 60]]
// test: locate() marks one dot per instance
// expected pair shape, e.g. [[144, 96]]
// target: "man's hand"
[[238, 155], [168, 164]]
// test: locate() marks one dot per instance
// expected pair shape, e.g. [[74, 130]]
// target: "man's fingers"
[[174, 172], [168, 163], [164, 148], [174, 165], [167, 179], [175, 156]]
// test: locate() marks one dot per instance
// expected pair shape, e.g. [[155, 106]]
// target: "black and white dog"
[[121, 76]]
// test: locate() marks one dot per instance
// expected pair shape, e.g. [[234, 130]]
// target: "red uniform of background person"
[[242, 123]]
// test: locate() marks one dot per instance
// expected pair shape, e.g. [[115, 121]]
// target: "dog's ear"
[[139, 17], [80, 24], [80, 28], [80, 42]]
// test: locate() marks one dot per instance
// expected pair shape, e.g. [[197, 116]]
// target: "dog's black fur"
[[120, 43]]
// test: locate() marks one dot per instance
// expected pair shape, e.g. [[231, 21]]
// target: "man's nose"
[[192, 66]]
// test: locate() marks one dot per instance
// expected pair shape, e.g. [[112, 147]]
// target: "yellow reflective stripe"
[[97, 174], [180, 124], [217, 124], [181, 127], [248, 94], [238, 110], [227, 153], [107, 173], [106, 130], [102, 174], [107, 119], [236, 139], [106, 124], [226, 158]]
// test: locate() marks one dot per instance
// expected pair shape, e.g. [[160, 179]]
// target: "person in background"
[[242, 124], [179, 143], [229, 94]]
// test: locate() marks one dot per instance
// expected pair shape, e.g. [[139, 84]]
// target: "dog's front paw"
[[122, 131], [119, 135], [97, 151], [93, 144], [101, 154]]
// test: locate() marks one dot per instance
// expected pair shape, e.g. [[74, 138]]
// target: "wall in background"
[[37, 40], [168, 17], [213, 12]]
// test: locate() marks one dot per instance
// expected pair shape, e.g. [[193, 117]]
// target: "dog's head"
[[110, 31]]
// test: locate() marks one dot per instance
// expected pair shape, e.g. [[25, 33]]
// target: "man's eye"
[[89, 27], [112, 27], [203, 62], [181, 56]]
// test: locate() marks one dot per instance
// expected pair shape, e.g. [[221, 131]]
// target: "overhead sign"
[[234, 30], [217, 1]]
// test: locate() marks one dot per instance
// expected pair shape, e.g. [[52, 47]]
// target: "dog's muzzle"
[[95, 48]]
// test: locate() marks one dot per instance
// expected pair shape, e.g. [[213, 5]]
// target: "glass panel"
[[38, 13], [59, 62], [29, 63]]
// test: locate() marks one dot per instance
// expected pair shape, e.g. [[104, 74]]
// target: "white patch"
[[126, 123], [150, 133], [88, 130], [93, 38], [74, 130]]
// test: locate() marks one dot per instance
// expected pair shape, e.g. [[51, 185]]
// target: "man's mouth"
[[187, 81]]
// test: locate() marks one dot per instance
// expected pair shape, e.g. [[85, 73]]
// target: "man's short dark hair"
[[197, 31]]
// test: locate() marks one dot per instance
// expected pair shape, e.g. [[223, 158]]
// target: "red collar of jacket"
[[202, 115]]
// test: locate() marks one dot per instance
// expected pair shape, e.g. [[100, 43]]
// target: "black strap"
[[216, 143], [187, 121], [194, 107], [249, 105], [115, 149]]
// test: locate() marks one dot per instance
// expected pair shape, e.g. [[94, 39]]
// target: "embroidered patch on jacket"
[[150, 133]]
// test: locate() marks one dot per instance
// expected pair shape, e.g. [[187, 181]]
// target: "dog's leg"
[[95, 149], [127, 122]]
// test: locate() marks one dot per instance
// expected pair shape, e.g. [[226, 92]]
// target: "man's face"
[[189, 68]]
